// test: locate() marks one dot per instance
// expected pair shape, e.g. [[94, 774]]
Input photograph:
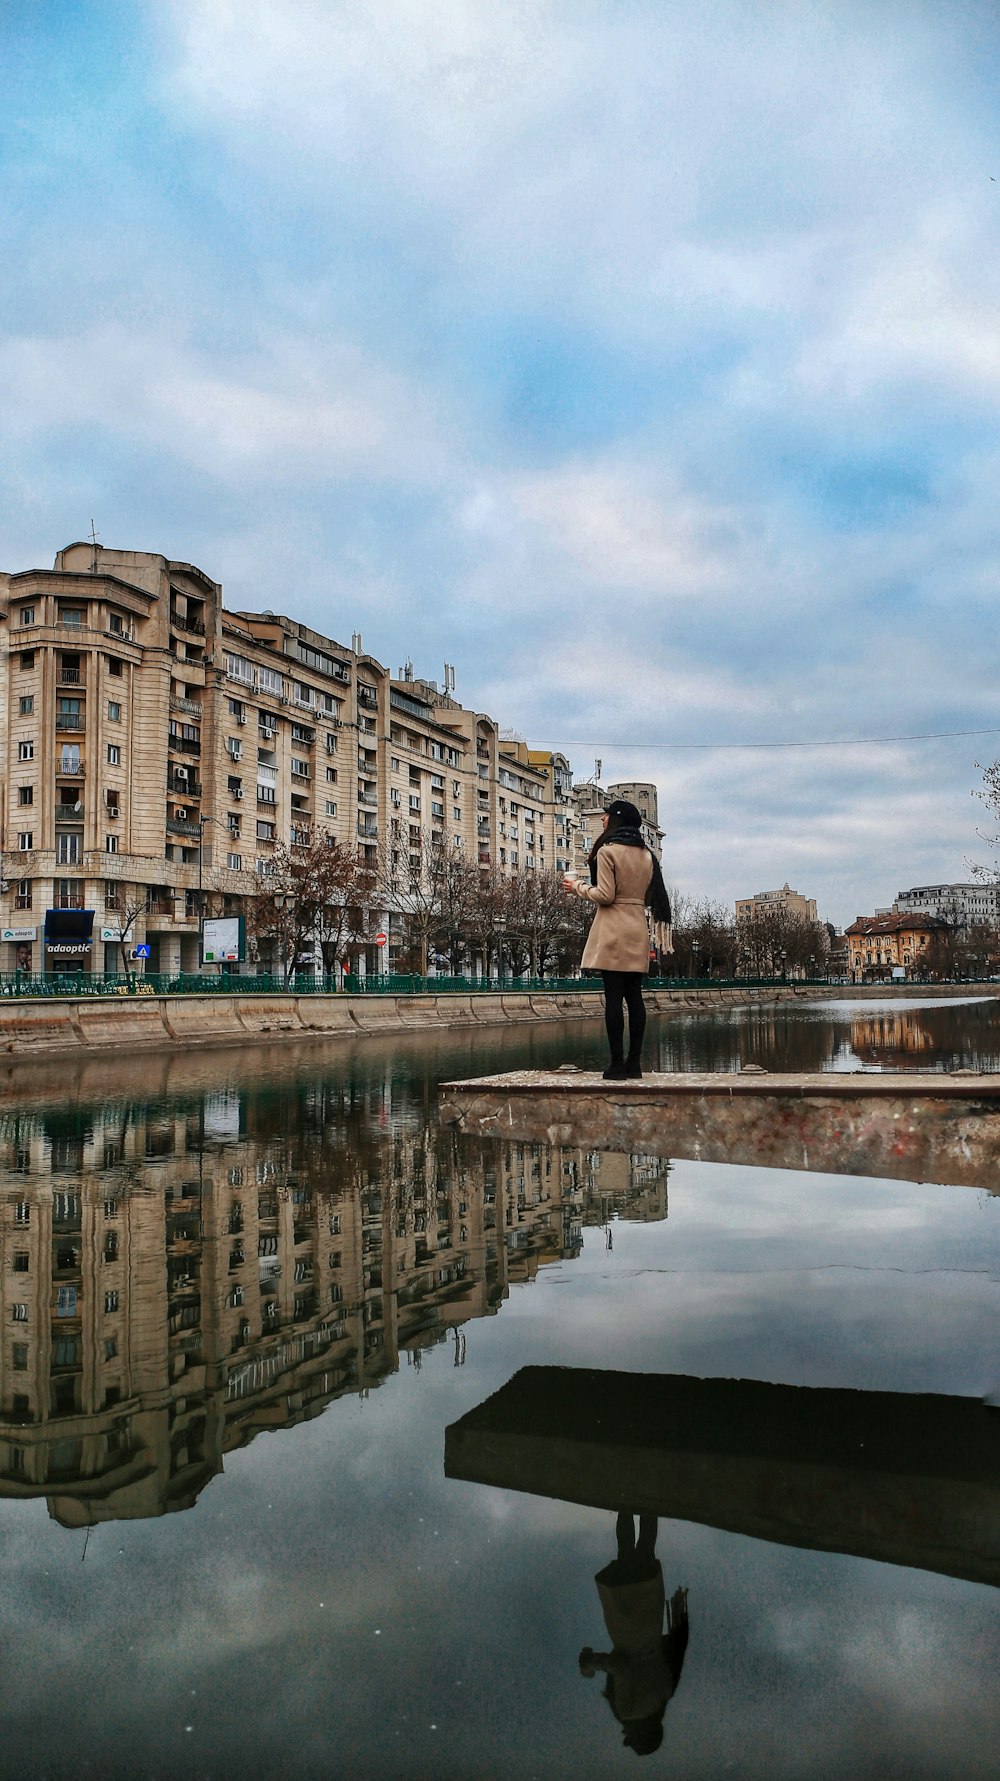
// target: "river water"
[[245, 1297]]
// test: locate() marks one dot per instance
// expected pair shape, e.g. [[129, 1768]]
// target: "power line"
[[736, 747]]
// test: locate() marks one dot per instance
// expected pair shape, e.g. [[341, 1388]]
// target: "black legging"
[[624, 987]]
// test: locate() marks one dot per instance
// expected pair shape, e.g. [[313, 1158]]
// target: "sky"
[[638, 357]]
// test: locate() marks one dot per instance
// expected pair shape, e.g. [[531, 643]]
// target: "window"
[[114, 666], [22, 899], [20, 1261], [110, 1347], [27, 615], [235, 862], [111, 1246], [331, 808], [300, 769], [27, 658], [26, 751], [114, 755], [19, 1313], [22, 1213], [269, 681], [69, 848], [25, 794], [70, 615], [69, 757], [20, 1357], [25, 841], [111, 843], [233, 822], [114, 711], [69, 893], [26, 705], [331, 776], [238, 668], [265, 831], [116, 624]]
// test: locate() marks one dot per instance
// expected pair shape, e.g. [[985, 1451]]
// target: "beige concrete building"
[[159, 749], [784, 901]]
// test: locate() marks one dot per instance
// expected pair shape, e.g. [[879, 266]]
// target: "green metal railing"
[[152, 983]]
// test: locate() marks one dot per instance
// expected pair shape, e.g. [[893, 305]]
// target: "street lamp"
[[784, 955], [695, 949], [202, 820], [812, 964], [501, 929], [283, 900]]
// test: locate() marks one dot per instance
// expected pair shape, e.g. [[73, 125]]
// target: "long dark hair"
[[625, 827]]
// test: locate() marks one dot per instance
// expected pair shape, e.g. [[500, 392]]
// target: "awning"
[[69, 930]]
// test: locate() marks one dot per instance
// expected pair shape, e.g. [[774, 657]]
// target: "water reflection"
[[887, 1035], [909, 1479], [177, 1279], [644, 1664]]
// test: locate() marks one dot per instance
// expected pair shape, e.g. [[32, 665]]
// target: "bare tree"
[[314, 894], [426, 883], [127, 904]]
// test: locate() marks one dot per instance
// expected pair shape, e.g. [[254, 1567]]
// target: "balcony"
[[184, 788], [266, 795], [301, 837], [70, 812], [367, 829], [180, 744], [191, 706], [70, 769], [70, 722], [190, 830], [69, 676], [368, 799], [194, 625]]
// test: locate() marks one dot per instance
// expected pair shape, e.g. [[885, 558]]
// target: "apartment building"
[[962, 905], [784, 902], [878, 944], [160, 749]]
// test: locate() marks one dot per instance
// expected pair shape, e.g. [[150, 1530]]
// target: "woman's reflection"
[[644, 1664]]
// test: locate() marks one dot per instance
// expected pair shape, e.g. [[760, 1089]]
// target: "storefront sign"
[[64, 946], [112, 934], [19, 933]]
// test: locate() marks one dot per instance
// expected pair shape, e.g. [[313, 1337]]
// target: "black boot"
[[632, 1068], [616, 1070]]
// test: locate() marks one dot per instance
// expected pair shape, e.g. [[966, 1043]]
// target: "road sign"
[[381, 939], [143, 952]]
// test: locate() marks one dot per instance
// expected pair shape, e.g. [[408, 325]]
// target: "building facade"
[[880, 944], [785, 902], [961, 905], [160, 750]]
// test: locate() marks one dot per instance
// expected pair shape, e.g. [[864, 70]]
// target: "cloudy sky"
[[640, 359]]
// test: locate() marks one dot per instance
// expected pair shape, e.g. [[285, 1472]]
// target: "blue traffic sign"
[[144, 952]]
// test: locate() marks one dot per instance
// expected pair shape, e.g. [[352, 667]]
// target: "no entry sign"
[[381, 939]]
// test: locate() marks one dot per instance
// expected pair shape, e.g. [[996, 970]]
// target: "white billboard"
[[222, 940]]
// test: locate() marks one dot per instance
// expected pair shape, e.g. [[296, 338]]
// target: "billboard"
[[223, 940]]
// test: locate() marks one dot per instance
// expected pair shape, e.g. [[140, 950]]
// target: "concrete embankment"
[[85, 1025]]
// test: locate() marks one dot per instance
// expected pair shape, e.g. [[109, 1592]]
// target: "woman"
[[644, 1664], [625, 878]]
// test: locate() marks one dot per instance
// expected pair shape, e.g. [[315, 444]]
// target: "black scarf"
[[656, 896]]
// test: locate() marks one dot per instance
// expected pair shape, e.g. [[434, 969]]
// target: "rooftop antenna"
[[95, 541], [356, 644], [449, 678], [597, 771]]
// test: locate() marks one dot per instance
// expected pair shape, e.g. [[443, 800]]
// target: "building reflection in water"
[[176, 1280]]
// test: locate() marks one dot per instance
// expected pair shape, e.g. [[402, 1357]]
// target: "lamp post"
[[501, 929], [812, 964], [202, 820], [695, 949], [784, 973], [283, 900]]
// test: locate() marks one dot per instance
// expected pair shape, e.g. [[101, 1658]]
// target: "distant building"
[[590, 801], [788, 902], [879, 944], [961, 905]]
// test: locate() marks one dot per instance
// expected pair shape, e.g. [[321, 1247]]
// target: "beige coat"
[[619, 937]]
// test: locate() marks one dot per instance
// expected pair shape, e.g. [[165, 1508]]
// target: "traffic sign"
[[143, 952], [381, 939]]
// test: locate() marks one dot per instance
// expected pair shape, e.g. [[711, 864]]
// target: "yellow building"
[[880, 944]]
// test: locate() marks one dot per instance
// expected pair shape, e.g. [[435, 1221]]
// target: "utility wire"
[[732, 747]]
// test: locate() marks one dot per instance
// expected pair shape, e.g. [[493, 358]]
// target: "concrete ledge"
[[38, 1026], [910, 1126], [138, 1021], [197, 1020], [267, 1014]]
